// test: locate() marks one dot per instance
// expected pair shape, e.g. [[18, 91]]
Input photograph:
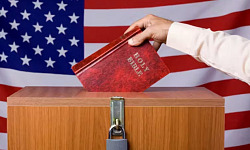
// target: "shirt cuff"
[[182, 36]]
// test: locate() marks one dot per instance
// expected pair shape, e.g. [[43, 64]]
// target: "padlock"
[[116, 144]]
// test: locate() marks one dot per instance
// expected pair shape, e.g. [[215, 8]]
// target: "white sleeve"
[[228, 53]]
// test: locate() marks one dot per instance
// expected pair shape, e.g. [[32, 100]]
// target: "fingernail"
[[130, 42]]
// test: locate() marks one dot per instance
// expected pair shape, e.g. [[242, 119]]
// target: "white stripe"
[[183, 12], [242, 31], [165, 51], [3, 109], [90, 48], [237, 103], [191, 78], [180, 79], [237, 137], [20, 79], [3, 141]]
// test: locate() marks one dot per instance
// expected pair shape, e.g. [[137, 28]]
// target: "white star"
[[50, 39], [38, 50], [37, 4], [25, 60], [73, 62], [25, 15], [3, 12], [38, 27], [3, 57], [13, 47], [62, 52], [14, 25], [3, 34], [74, 41], [13, 3], [49, 17], [62, 5], [50, 63], [73, 18], [26, 37], [61, 29]]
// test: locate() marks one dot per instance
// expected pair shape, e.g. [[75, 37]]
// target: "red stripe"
[[182, 63], [237, 120], [242, 147], [228, 87], [6, 91], [3, 125], [227, 22], [112, 4]]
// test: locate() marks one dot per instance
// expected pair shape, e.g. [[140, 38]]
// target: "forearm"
[[228, 53]]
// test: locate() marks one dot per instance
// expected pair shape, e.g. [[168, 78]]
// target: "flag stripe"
[[237, 103], [242, 147], [182, 63], [181, 79], [237, 120], [6, 91], [3, 125], [113, 4], [3, 141], [210, 9], [164, 51], [3, 109], [22, 78], [237, 19], [237, 137], [192, 78], [228, 87]]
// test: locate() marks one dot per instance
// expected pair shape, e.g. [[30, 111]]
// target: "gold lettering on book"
[[138, 64]]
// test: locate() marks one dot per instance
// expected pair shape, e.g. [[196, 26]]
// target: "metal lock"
[[116, 144]]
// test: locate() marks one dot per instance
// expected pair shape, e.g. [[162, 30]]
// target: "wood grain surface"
[[193, 125]]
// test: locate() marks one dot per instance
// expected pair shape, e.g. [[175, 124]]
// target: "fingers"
[[156, 45], [139, 23], [141, 37]]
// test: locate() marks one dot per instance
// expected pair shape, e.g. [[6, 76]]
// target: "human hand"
[[156, 28]]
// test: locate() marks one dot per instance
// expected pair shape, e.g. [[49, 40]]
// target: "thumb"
[[140, 38]]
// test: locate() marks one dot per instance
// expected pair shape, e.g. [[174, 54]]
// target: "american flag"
[[41, 39]]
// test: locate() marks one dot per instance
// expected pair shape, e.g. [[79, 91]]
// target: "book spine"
[[104, 51]]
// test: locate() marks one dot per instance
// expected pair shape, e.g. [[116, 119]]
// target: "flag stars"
[[3, 12], [3, 34], [49, 17], [38, 27], [25, 15], [14, 25], [73, 18], [50, 63], [74, 41], [50, 39], [73, 62], [37, 4], [13, 3], [14, 47], [38, 50], [61, 29], [26, 60], [62, 6], [3, 57], [62, 52], [26, 37]]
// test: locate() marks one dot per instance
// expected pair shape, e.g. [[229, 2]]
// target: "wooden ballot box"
[[69, 118]]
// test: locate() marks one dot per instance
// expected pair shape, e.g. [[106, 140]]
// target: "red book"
[[119, 67]]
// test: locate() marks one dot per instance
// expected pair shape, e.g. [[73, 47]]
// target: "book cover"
[[119, 67]]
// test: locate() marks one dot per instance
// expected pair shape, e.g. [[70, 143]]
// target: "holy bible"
[[119, 67]]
